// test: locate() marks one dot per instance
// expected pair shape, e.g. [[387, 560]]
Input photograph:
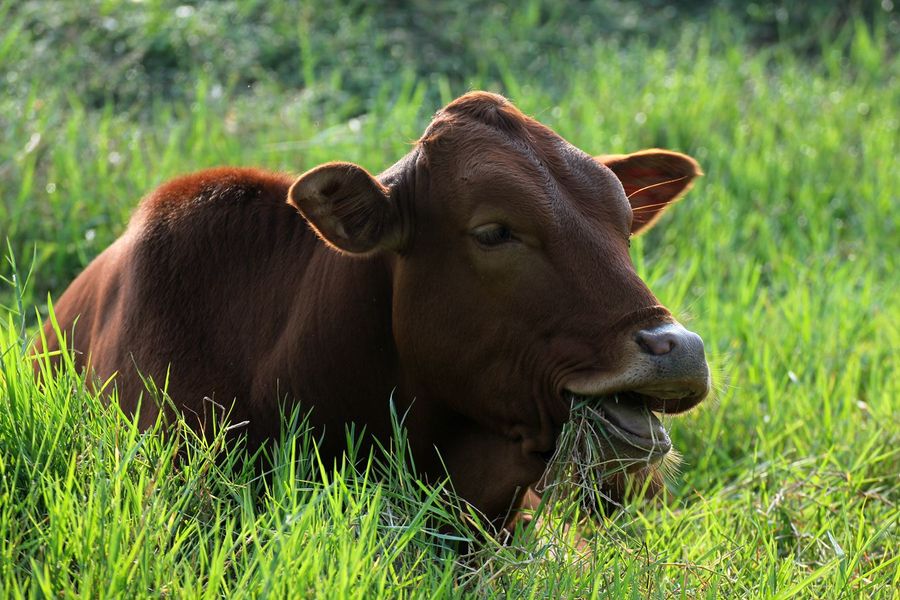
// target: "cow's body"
[[221, 308], [480, 333]]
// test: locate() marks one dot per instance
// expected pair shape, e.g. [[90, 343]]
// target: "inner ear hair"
[[652, 180], [649, 170]]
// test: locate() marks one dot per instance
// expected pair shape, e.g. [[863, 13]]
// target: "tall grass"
[[783, 257]]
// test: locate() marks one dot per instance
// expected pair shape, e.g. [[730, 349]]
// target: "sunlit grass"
[[783, 257]]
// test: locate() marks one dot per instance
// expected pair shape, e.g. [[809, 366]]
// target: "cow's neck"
[[343, 334]]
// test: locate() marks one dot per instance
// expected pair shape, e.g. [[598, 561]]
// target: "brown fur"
[[378, 287]]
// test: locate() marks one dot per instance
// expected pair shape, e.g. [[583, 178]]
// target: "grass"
[[783, 257]]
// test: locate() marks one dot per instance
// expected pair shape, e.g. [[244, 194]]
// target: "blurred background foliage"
[[132, 54]]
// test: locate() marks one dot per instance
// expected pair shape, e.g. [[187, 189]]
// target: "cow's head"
[[513, 287]]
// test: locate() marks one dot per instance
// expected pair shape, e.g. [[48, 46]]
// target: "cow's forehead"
[[481, 122], [530, 167]]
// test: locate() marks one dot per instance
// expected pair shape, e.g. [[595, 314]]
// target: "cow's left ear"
[[653, 180], [348, 208]]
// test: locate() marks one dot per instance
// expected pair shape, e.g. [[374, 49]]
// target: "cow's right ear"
[[347, 207]]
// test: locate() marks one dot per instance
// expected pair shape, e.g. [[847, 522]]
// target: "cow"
[[481, 284]]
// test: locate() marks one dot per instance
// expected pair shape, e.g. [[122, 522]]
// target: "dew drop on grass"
[[33, 142]]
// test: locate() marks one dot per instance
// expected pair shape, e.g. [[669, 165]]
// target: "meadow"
[[783, 257]]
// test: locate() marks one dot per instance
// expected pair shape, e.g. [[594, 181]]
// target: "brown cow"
[[482, 281]]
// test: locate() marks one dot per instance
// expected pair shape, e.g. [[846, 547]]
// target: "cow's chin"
[[618, 488]]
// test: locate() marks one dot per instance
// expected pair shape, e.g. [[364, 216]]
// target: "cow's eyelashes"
[[493, 235]]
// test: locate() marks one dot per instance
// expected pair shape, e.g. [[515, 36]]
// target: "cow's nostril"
[[657, 341]]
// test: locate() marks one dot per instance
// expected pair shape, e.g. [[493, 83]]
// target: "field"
[[783, 257]]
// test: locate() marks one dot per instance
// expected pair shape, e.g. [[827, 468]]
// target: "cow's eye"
[[493, 235]]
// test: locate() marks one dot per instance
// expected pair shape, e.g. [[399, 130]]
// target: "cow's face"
[[513, 288]]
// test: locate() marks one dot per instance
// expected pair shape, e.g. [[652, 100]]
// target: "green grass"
[[783, 257]]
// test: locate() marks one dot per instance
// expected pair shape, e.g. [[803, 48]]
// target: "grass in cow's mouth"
[[595, 464]]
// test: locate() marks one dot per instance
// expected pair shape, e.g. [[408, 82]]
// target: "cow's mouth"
[[632, 432], [607, 436]]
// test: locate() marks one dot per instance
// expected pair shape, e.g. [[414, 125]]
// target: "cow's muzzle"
[[672, 365], [666, 373]]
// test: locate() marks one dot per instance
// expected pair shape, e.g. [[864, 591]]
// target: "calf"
[[483, 281]]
